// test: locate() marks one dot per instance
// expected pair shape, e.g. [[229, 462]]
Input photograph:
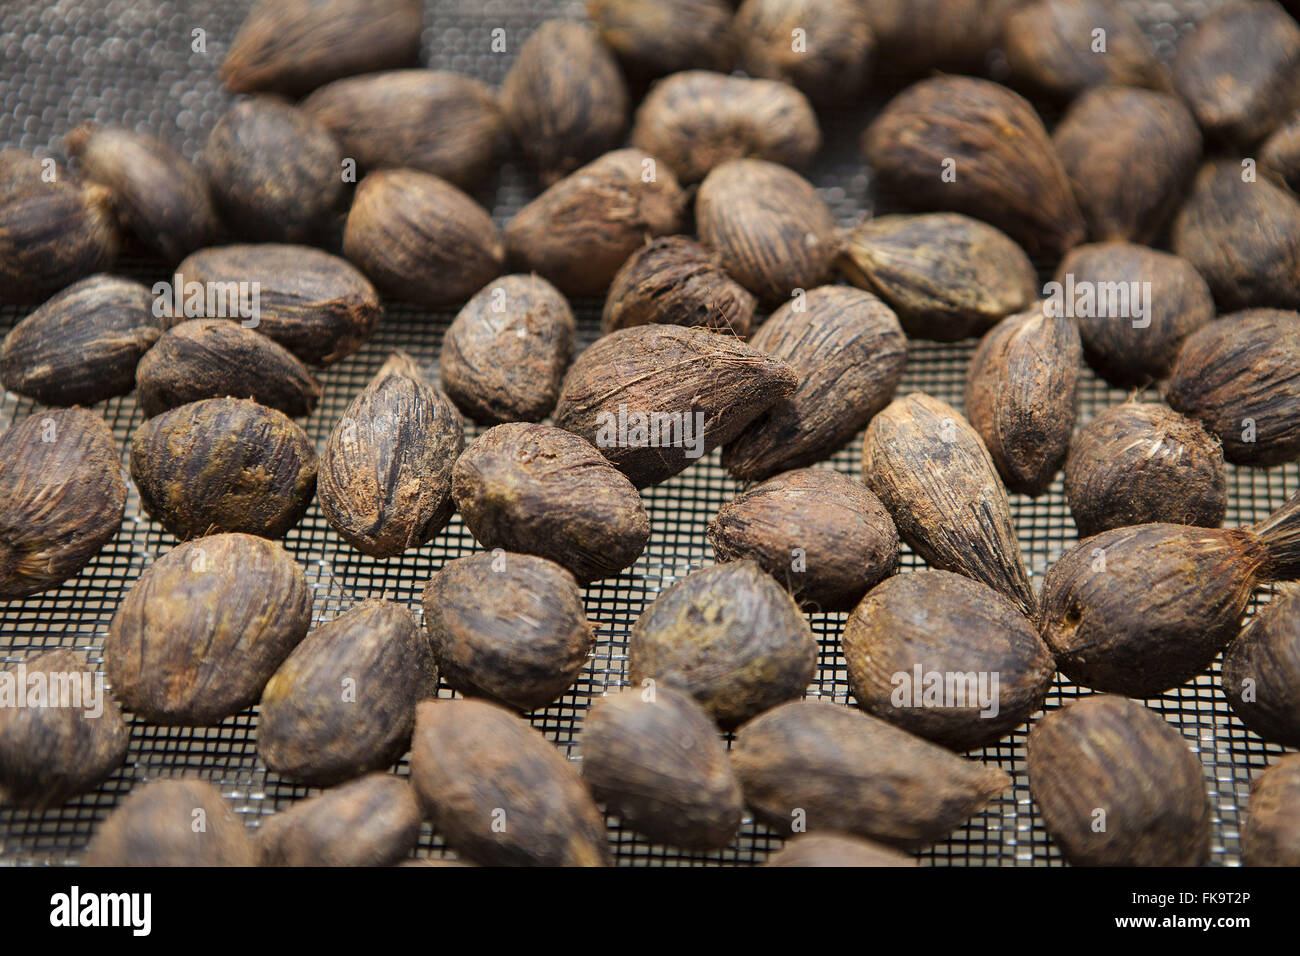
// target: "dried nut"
[[848, 350], [62, 498], [64, 745], [656, 37], [930, 468], [916, 36], [946, 658], [1261, 671], [224, 464], [373, 821], [656, 760], [828, 767], [541, 490], [201, 632], [824, 47], [697, 120], [1142, 463], [385, 473], [508, 627], [949, 277], [730, 637], [838, 850], [1280, 153], [656, 398], [505, 354], [1271, 836], [499, 792], [1118, 786], [81, 346], [343, 703]]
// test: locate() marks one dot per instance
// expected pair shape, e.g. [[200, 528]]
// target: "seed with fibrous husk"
[[655, 758], [676, 281], [838, 850], [823, 766], [373, 821], [203, 629], [1271, 836], [697, 120], [81, 346], [824, 47], [499, 792], [156, 826], [1118, 786], [655, 37], [1261, 671], [917, 36], [848, 351], [63, 746], [931, 470], [1280, 153], [62, 498]]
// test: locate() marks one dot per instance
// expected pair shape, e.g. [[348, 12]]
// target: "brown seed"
[[656, 398], [974, 147], [730, 637], [508, 627], [82, 345], [64, 745], [1021, 396], [658, 762], [697, 120], [916, 36], [1237, 377], [155, 826], [385, 475], [294, 46], [373, 821], [203, 629], [1261, 671], [541, 490], [211, 358], [829, 59], [1271, 836], [1141, 463], [931, 470], [949, 277], [829, 767], [499, 792], [946, 658], [582, 229], [505, 354], [224, 464], [343, 703], [1280, 153], [62, 498], [838, 850], [656, 37], [773, 230]]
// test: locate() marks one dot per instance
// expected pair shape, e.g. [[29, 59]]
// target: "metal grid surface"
[[131, 61]]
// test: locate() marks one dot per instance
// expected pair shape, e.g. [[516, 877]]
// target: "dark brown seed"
[[949, 277], [276, 174], [201, 632], [81, 346], [211, 358], [1271, 836], [343, 703], [158, 825], [814, 764], [1280, 153], [1261, 671], [654, 757], [916, 36], [580, 231], [158, 196], [564, 98], [655, 37], [824, 47], [730, 637], [385, 474], [374, 821], [848, 350], [838, 850], [971, 146], [62, 498], [541, 490], [64, 742], [656, 398], [505, 354], [435, 121], [499, 792], [946, 658], [420, 239], [294, 46], [773, 230], [1142, 463], [820, 533], [1021, 396], [931, 470], [508, 627], [697, 120], [224, 464], [1118, 786], [1237, 377]]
